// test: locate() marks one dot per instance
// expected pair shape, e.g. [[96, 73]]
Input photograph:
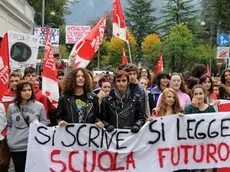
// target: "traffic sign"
[[222, 52], [223, 40]]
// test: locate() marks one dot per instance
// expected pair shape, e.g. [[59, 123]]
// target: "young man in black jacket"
[[136, 88], [121, 108], [78, 104]]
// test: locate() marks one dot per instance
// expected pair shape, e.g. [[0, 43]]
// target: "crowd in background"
[[124, 100]]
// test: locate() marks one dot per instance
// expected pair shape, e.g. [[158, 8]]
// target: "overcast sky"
[[87, 10]]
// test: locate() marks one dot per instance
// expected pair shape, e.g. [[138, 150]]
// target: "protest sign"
[[41, 33], [163, 144], [75, 33], [23, 50]]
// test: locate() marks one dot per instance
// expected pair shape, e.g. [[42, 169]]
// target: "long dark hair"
[[161, 75], [20, 86], [203, 79], [70, 81], [222, 76]]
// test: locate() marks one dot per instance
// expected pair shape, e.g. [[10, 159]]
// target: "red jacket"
[[45, 101], [8, 98]]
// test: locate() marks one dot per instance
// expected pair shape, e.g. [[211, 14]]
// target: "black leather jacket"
[[68, 111], [139, 90], [122, 113]]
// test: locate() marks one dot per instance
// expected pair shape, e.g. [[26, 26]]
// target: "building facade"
[[16, 15]]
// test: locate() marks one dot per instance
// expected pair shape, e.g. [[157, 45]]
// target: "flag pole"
[[130, 56]]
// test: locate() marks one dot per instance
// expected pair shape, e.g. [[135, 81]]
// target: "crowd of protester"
[[125, 100]]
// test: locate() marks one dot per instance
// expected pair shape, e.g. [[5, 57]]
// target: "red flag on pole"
[[159, 65], [4, 65], [49, 73], [208, 70], [4, 76], [124, 58], [86, 48], [119, 26]]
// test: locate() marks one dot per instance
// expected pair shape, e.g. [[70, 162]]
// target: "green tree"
[[115, 48], [203, 53], [151, 47], [178, 12], [108, 30], [140, 20], [102, 54], [178, 48], [221, 14], [208, 17], [59, 7]]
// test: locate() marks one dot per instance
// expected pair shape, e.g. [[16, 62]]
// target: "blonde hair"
[[176, 108]]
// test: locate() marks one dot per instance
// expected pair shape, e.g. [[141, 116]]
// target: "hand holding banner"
[[170, 143]]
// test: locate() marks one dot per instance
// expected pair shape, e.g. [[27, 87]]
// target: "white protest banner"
[[23, 50], [75, 33], [164, 144], [41, 33], [222, 52]]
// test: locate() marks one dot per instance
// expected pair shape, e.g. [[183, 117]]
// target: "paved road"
[[11, 169]]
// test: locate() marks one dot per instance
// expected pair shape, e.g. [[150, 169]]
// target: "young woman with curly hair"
[[77, 104]]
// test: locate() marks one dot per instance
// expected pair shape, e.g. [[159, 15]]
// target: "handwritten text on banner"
[[164, 144], [76, 33]]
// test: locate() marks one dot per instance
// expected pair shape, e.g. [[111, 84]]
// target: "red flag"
[[124, 58], [159, 65], [119, 27], [86, 48], [49, 73], [4, 65], [208, 70], [224, 106]]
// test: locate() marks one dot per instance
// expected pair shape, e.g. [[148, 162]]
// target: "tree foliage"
[[59, 7], [115, 47], [221, 14], [151, 48], [178, 12], [101, 54], [108, 30], [178, 48], [140, 20]]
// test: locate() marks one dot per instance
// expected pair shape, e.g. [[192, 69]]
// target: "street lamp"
[[211, 35], [202, 23], [43, 13], [52, 13]]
